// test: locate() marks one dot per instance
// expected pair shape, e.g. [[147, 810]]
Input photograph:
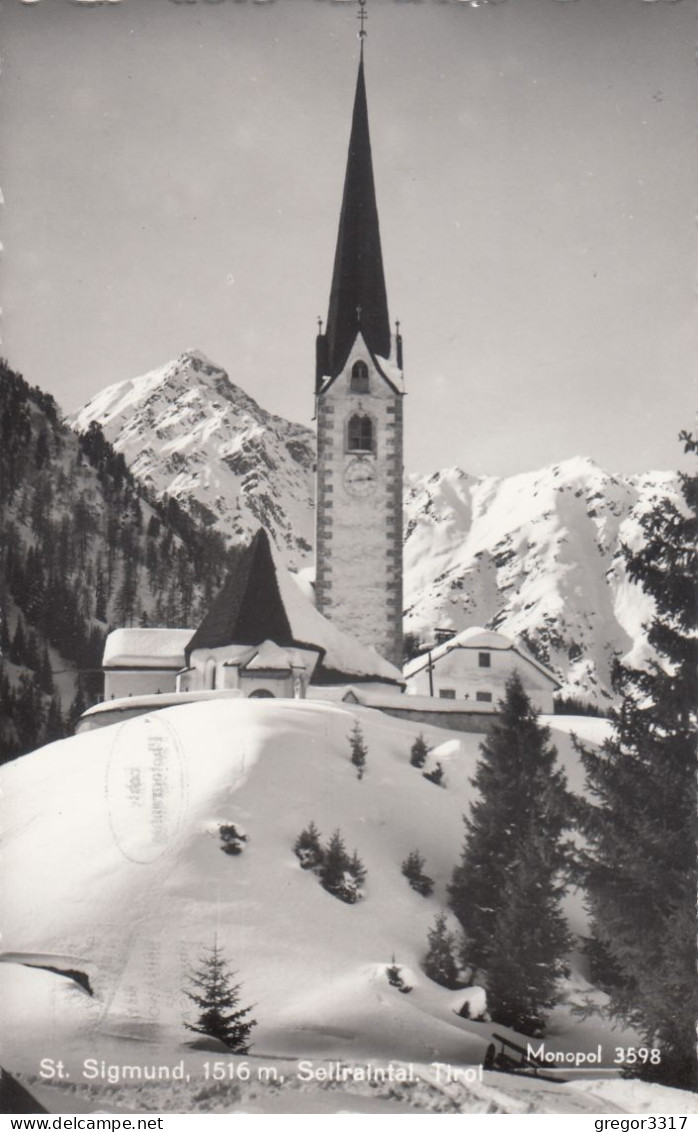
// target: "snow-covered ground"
[[113, 869]]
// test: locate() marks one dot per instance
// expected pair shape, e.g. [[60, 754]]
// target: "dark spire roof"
[[249, 609], [357, 279]]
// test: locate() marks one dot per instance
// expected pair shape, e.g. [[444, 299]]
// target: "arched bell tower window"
[[360, 434], [359, 377]]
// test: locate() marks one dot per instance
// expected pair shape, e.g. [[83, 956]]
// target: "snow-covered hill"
[[537, 555], [188, 432], [114, 837]]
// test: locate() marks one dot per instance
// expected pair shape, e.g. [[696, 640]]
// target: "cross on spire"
[[362, 16]]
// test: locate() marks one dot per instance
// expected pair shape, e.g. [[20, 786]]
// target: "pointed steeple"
[[357, 299]]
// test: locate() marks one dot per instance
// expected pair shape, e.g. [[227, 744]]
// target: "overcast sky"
[[172, 174]]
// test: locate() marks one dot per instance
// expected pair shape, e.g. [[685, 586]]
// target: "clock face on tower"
[[360, 476]]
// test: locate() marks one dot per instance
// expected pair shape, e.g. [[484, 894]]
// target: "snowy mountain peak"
[[189, 432]]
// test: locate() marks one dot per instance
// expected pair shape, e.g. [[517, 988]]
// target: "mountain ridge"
[[537, 555]]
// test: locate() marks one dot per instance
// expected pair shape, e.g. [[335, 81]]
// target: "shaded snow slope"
[[114, 880], [113, 866], [188, 432], [538, 557]]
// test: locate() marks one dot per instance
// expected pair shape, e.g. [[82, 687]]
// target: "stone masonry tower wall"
[[359, 507], [358, 391]]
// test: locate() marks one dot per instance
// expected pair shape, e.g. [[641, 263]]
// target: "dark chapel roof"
[[249, 609]]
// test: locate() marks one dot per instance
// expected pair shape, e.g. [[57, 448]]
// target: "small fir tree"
[[359, 750], [413, 869], [357, 868], [334, 864], [217, 998], [308, 849], [440, 962], [418, 752], [436, 775], [233, 840], [341, 875], [394, 975], [641, 828]]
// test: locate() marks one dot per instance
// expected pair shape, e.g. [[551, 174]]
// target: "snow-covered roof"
[[271, 656], [154, 701], [387, 699], [146, 648], [475, 637]]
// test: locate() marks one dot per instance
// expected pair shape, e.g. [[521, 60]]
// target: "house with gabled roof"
[[473, 666]]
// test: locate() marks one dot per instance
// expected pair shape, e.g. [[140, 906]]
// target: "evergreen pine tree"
[[523, 800], [18, 647], [233, 841], [530, 939], [394, 975], [4, 633], [308, 849], [77, 707], [334, 864], [32, 657], [217, 999], [640, 869], [356, 868], [418, 752], [100, 597], [28, 713], [413, 869], [359, 750], [436, 775], [440, 962], [340, 874], [55, 727], [46, 672]]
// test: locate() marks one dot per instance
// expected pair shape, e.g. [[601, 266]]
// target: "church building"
[[262, 637], [358, 396]]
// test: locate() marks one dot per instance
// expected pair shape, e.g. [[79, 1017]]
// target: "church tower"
[[358, 394]]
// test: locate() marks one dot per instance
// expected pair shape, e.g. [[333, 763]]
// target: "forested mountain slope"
[[83, 547]]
